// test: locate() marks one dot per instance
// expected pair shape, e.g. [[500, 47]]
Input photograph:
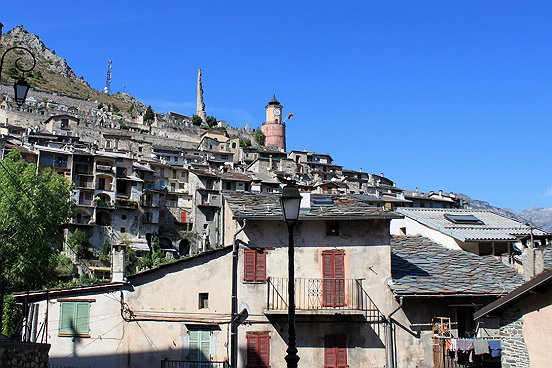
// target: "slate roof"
[[495, 227], [234, 176], [266, 206], [420, 267]]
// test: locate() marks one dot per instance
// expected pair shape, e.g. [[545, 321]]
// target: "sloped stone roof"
[[421, 267], [266, 206]]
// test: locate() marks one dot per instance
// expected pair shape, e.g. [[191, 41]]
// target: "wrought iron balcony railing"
[[192, 364], [311, 295]]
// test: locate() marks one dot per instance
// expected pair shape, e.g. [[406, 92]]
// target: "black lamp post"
[[20, 87], [291, 203]]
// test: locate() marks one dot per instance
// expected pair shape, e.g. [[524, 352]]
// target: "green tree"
[[245, 142], [259, 137], [211, 121], [80, 243], [149, 115], [33, 207], [196, 120]]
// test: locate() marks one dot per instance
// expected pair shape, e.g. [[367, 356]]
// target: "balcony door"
[[333, 278]]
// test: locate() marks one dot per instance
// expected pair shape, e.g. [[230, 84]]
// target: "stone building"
[[524, 317]]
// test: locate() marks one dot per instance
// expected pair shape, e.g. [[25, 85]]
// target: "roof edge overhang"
[[53, 293], [344, 218], [540, 280], [445, 295]]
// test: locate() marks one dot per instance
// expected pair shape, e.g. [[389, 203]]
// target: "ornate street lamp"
[[20, 87], [291, 203]]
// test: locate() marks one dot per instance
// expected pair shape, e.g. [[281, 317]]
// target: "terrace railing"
[[192, 364], [311, 295]]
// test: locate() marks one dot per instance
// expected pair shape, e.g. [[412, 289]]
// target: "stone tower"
[[273, 128], [200, 105]]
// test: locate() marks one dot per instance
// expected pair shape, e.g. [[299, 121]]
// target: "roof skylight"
[[463, 219]]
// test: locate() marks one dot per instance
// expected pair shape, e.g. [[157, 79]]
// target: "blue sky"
[[435, 94]]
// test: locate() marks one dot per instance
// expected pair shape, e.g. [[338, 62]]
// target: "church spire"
[[200, 105]]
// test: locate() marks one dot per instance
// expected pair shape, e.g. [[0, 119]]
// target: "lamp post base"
[[292, 358]]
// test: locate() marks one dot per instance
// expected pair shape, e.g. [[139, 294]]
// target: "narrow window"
[[203, 300], [123, 230], [335, 351], [332, 228], [254, 265], [258, 350]]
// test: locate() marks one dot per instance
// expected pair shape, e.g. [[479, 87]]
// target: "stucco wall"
[[415, 228], [525, 331]]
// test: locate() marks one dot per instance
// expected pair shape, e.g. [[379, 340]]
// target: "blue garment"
[[495, 347]]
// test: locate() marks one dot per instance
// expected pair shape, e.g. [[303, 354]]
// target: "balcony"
[[124, 203], [84, 184], [192, 364], [171, 204], [322, 297], [210, 200], [104, 204], [104, 169]]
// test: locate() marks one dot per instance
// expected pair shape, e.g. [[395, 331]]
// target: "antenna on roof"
[[107, 88]]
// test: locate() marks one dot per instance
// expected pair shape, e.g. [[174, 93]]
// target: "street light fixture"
[[291, 203], [20, 87]]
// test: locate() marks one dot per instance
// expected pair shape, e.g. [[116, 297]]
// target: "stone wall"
[[23, 355], [514, 350]]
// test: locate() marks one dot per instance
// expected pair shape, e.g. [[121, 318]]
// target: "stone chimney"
[[305, 201], [118, 263], [1, 27], [532, 259]]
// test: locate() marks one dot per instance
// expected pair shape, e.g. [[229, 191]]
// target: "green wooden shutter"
[[82, 318], [193, 345], [205, 345], [66, 324]]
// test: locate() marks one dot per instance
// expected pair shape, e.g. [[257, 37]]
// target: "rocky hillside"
[[52, 73], [541, 217]]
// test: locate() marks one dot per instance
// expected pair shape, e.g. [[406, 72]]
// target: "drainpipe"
[[390, 354], [233, 323]]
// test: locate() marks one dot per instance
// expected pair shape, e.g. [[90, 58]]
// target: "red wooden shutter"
[[258, 350], [183, 217], [341, 351], [339, 275], [264, 350], [327, 278], [252, 347], [260, 265], [333, 274], [335, 351], [249, 256]]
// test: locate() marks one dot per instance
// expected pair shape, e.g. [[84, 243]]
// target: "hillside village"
[[385, 276]]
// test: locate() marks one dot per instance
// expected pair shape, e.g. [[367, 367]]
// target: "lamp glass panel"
[[20, 90], [291, 208]]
